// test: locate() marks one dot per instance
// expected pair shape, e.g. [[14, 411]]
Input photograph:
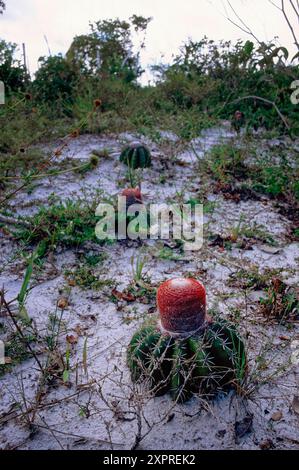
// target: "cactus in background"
[[94, 160], [136, 156], [238, 121], [184, 352], [123, 219], [132, 195]]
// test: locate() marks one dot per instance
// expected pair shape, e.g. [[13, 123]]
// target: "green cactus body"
[[136, 156], [227, 353], [185, 365], [149, 358]]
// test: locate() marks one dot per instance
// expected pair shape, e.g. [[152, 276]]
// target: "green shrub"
[[55, 82], [66, 224]]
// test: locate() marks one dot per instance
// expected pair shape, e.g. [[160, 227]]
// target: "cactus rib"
[[183, 366]]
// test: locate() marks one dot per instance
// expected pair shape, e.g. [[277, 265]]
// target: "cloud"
[[174, 21]]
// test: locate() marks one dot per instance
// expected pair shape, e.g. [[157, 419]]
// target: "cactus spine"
[[136, 156], [209, 359]]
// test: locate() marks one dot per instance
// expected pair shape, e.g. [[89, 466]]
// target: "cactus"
[[94, 160], [186, 360], [122, 221], [133, 196], [136, 156], [238, 121]]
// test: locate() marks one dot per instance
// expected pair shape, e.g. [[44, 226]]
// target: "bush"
[[215, 78], [12, 73], [55, 82]]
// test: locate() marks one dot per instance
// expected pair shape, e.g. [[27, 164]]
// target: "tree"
[[12, 72], [107, 51], [55, 80], [295, 9], [290, 13], [2, 6]]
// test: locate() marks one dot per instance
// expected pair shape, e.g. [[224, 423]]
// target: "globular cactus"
[[132, 195], [122, 219], [136, 156], [94, 160], [238, 121], [183, 352]]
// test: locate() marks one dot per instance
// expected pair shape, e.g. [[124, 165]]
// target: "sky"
[[174, 21]]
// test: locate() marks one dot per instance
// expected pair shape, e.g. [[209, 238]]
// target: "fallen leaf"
[[182, 163], [171, 244], [72, 339], [151, 310], [244, 427], [170, 417], [80, 441], [295, 404], [62, 303], [267, 444], [123, 295], [80, 330], [277, 415], [217, 240], [272, 250], [220, 434]]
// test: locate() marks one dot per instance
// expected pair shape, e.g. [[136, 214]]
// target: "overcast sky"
[[173, 22]]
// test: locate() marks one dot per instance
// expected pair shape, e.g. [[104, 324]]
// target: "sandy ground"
[[99, 408]]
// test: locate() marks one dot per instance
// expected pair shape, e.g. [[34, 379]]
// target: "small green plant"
[[243, 231], [66, 371], [102, 153], [169, 254], [94, 160], [67, 224], [85, 277], [94, 259], [137, 269], [18, 343], [140, 287], [136, 156], [16, 350], [226, 162], [281, 303], [208, 206], [252, 278], [276, 179]]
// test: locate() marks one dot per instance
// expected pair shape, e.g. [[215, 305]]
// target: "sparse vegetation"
[[67, 224], [84, 276], [220, 129], [281, 303]]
